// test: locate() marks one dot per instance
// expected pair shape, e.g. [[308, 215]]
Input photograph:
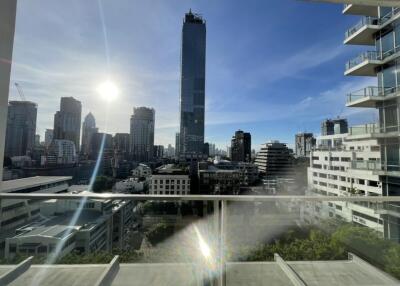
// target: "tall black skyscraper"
[[21, 128], [67, 121], [241, 147], [193, 73]]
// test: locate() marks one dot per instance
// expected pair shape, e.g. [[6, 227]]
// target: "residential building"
[[304, 142], [48, 137], [141, 171], [142, 134], [67, 121], [381, 33], [193, 74], [21, 128], [131, 185], [170, 180], [275, 160], [61, 152], [343, 170], [170, 151], [88, 129], [241, 147]]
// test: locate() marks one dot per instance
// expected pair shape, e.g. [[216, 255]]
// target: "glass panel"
[[391, 119], [389, 77]]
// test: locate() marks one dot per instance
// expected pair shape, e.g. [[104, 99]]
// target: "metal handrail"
[[371, 91], [225, 198]]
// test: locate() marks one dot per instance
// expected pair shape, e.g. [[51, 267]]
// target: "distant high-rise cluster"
[[334, 126], [193, 73]]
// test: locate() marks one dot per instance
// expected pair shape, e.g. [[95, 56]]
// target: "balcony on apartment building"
[[369, 96], [357, 9], [366, 63], [199, 240], [363, 32]]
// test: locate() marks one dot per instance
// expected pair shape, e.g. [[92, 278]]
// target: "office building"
[[48, 137], [142, 134], [241, 147], [61, 152], [158, 151], [275, 160], [193, 74], [304, 142], [67, 121], [37, 140], [170, 180], [21, 128], [88, 129], [334, 126]]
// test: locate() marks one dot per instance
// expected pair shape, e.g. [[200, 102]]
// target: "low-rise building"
[[101, 225], [170, 180], [14, 212], [141, 171], [131, 185]]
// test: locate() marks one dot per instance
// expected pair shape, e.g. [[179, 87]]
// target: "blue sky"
[[274, 68]]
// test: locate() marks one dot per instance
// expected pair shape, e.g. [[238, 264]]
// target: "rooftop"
[[31, 182]]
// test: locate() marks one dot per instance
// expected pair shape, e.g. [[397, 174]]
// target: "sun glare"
[[108, 90]]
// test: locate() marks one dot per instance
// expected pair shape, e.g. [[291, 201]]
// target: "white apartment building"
[[334, 171], [170, 180], [141, 171]]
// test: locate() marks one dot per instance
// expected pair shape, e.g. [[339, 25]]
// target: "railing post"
[[222, 234]]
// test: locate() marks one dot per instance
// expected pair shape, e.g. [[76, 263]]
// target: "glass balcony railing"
[[365, 56], [198, 240], [372, 165], [372, 91], [370, 128], [362, 23], [386, 18]]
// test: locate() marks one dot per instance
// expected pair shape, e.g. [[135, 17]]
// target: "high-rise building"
[[193, 73], [381, 32], [121, 143], [142, 133], [177, 144], [67, 121], [274, 160], [334, 126], [241, 147], [88, 129], [158, 151], [21, 128], [304, 142], [48, 137], [37, 140]]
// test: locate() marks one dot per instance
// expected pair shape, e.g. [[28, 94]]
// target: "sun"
[[108, 90]]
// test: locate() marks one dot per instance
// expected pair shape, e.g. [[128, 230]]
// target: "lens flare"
[[108, 90]]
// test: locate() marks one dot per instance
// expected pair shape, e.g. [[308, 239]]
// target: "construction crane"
[[20, 91]]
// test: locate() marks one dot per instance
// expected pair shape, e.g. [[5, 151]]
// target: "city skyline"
[[144, 63]]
